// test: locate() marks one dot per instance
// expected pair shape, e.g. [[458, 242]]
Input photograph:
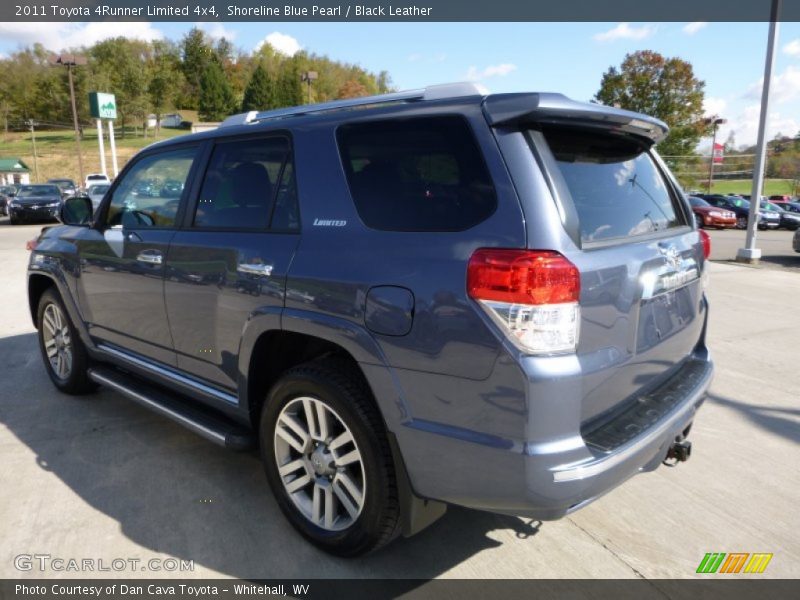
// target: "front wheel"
[[64, 355], [328, 461], [741, 223]]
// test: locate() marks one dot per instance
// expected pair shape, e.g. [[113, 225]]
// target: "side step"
[[211, 426]]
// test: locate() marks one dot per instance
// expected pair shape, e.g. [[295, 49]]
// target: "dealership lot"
[[100, 478]]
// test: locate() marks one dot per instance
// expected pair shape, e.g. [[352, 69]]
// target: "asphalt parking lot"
[[101, 478]]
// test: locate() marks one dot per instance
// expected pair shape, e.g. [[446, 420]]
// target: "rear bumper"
[[560, 472]]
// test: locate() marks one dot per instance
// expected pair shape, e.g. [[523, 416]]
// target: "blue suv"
[[404, 301]]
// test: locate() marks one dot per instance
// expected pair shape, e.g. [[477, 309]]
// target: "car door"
[[232, 255], [121, 285]]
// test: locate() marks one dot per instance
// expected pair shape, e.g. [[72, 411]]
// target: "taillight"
[[531, 294], [706, 240]]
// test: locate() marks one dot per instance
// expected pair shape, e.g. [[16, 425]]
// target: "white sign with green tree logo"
[[102, 105]]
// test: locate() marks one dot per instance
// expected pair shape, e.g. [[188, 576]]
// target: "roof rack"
[[432, 92]]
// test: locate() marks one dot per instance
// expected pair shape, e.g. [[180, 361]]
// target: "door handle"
[[150, 257], [133, 237], [259, 269]]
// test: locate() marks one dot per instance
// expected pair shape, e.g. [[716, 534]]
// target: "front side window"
[[421, 174], [248, 185], [146, 197], [617, 189]]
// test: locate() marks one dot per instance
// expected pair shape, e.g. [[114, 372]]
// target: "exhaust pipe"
[[679, 452]]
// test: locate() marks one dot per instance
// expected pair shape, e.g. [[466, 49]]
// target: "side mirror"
[[76, 210]]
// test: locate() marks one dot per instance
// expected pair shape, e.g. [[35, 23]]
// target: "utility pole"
[[716, 122], [751, 254], [69, 61], [31, 124], [308, 77]]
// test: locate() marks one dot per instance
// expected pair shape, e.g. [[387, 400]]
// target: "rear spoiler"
[[557, 109]]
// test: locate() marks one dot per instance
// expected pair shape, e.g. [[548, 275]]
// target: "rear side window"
[[616, 186], [424, 174], [248, 185]]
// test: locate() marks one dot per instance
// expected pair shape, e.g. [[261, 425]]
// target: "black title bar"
[[396, 10]]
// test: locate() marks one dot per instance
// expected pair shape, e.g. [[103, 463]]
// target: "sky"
[[569, 58]]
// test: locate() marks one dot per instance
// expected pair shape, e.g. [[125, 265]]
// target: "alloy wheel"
[[320, 464], [57, 341]]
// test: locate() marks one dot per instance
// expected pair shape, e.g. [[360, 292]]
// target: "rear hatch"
[[628, 231]]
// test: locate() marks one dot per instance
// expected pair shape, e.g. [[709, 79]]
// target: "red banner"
[[719, 153]]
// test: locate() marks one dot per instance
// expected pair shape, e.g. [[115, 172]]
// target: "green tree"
[[165, 76], [120, 66], [289, 89], [196, 54], [665, 88], [216, 97], [260, 92]]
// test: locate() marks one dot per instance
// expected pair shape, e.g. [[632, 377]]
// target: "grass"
[[56, 151], [772, 187]]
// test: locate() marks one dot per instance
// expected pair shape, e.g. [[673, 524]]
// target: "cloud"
[[792, 48], [745, 125], [216, 31], [624, 31], [62, 35], [785, 86], [694, 27], [283, 43], [714, 106], [501, 70], [414, 57]]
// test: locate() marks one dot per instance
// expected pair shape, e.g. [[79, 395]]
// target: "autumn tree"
[[665, 88], [352, 89]]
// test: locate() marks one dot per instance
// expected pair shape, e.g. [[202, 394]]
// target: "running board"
[[213, 427]]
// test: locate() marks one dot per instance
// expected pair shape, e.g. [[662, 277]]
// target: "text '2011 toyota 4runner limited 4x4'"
[[405, 301]]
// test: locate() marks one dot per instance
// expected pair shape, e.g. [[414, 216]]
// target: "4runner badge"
[[329, 223]]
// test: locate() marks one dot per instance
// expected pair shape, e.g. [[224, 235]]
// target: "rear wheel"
[[328, 461], [13, 220], [741, 223], [64, 355]]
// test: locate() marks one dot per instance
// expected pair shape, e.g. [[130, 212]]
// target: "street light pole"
[[751, 254]]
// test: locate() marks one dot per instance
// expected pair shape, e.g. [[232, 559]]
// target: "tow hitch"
[[678, 452]]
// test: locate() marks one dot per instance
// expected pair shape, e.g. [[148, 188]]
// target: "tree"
[[260, 91], [730, 143], [665, 88], [352, 89], [196, 54], [289, 90], [216, 97], [164, 74]]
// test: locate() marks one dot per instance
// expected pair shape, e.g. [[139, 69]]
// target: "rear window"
[[424, 174], [617, 188]]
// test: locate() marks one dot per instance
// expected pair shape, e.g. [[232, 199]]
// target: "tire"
[[13, 220], [362, 492], [699, 221], [65, 358], [741, 223]]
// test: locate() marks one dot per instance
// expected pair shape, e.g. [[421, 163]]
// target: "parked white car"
[[94, 179]]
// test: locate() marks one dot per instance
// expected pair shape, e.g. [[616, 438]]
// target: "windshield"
[[771, 206], [36, 191], [617, 189], [98, 189], [697, 201]]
